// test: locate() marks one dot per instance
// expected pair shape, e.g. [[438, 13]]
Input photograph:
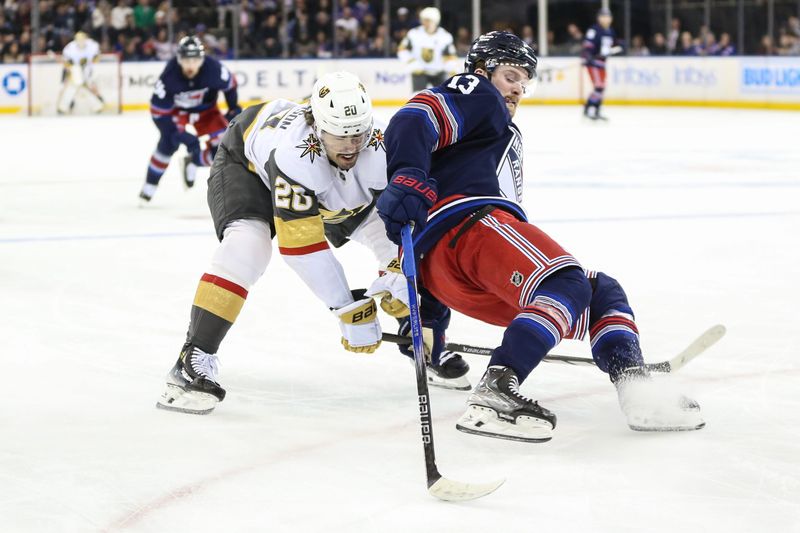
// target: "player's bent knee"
[[608, 296], [563, 296], [244, 253], [167, 145]]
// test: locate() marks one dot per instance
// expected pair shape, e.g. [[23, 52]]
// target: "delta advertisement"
[[756, 82]]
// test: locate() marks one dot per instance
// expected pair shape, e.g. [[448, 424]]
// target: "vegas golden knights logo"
[[323, 92], [427, 55], [311, 147]]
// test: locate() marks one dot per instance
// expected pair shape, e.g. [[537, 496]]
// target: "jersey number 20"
[[291, 197]]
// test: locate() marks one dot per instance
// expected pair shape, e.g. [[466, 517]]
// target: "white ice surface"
[[697, 212]]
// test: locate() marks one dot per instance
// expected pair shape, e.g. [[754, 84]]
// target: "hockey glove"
[[361, 331], [433, 336], [392, 287], [432, 348], [191, 142], [406, 198], [232, 112]]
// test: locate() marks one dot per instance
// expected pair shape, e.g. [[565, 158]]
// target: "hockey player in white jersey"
[[310, 176], [428, 49], [80, 55]]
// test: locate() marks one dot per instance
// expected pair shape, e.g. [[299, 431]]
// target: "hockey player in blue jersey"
[[186, 94], [454, 161], [599, 42]]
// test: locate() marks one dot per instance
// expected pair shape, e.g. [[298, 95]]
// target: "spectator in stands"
[[788, 45], [793, 26], [638, 48], [25, 42], [324, 46], [463, 41], [322, 22], [304, 47], [686, 46], [165, 50], [64, 19], [12, 53], [83, 15], [378, 45], [767, 46], [658, 46], [269, 30], [223, 49], [344, 43], [272, 48], [403, 21], [361, 9], [144, 15], [120, 15], [574, 44], [724, 46], [710, 45], [6, 29], [130, 51], [101, 17], [348, 23], [674, 37], [370, 25]]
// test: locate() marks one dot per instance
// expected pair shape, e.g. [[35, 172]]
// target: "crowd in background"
[[139, 30]]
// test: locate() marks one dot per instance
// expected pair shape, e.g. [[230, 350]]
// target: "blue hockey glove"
[[407, 198], [232, 112], [433, 337]]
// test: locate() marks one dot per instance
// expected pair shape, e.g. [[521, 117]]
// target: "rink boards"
[[761, 82]]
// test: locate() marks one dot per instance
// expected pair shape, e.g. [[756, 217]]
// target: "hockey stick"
[[438, 486], [698, 346]]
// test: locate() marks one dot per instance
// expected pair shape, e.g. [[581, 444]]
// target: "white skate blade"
[[455, 491], [461, 383], [480, 420], [175, 398]]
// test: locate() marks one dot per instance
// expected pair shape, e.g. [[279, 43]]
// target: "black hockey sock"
[[216, 306]]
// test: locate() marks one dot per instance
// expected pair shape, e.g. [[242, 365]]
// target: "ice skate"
[[497, 409], [189, 171], [650, 407], [192, 383], [147, 192], [450, 373]]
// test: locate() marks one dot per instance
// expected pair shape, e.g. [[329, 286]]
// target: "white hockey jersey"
[[315, 203], [425, 52], [84, 56]]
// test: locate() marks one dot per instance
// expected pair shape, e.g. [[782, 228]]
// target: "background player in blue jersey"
[[454, 158], [599, 42], [186, 94]]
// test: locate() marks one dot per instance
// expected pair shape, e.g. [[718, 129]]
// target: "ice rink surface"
[[696, 212]]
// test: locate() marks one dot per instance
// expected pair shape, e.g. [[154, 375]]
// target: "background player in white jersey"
[[309, 175], [427, 49], [80, 55]]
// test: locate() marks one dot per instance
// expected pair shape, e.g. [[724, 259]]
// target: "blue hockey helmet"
[[501, 48], [191, 46]]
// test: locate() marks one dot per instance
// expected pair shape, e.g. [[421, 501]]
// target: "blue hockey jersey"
[[597, 44], [461, 134], [174, 91]]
